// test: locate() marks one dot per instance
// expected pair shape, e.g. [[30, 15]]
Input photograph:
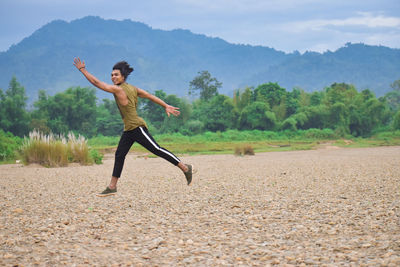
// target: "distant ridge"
[[169, 60]]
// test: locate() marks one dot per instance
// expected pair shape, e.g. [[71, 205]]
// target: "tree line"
[[339, 107]]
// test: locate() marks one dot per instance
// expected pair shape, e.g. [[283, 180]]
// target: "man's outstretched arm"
[[114, 89], [168, 108]]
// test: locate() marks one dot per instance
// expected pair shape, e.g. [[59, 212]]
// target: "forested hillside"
[[169, 60], [367, 67]]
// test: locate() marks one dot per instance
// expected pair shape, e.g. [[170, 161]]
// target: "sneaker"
[[107, 192], [189, 173]]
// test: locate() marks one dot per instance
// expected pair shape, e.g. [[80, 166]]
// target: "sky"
[[285, 25]]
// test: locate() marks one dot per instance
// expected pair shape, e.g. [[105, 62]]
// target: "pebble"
[[18, 210]]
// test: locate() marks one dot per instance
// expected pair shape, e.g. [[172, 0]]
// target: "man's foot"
[[107, 192], [189, 173]]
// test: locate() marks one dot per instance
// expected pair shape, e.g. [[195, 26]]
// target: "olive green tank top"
[[129, 113]]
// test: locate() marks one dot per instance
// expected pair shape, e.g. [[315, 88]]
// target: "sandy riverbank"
[[330, 206]]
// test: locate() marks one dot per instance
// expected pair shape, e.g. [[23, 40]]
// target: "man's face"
[[116, 77]]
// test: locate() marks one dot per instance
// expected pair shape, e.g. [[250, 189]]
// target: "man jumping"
[[135, 128]]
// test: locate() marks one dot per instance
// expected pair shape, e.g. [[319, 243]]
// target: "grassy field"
[[260, 141], [228, 142]]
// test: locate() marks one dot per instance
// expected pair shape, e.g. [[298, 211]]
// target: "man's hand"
[[172, 110], [79, 64]]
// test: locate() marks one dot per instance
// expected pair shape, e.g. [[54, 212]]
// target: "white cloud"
[[365, 19]]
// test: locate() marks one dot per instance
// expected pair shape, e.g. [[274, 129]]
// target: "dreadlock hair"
[[124, 68]]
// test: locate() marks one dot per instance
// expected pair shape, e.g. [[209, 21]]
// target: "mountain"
[[372, 67], [169, 60]]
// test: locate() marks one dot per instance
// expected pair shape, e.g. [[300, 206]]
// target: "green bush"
[[388, 134], [9, 145], [96, 156], [320, 134]]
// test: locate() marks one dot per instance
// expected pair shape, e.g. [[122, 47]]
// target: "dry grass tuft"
[[78, 150], [54, 150], [248, 150], [244, 150]]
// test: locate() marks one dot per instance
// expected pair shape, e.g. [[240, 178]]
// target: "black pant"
[[143, 137]]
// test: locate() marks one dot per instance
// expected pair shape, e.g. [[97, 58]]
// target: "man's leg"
[[124, 145], [146, 140], [113, 182]]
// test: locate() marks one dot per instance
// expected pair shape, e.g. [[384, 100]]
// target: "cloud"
[[364, 19], [372, 28]]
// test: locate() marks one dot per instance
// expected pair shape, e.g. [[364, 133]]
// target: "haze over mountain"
[[169, 60]]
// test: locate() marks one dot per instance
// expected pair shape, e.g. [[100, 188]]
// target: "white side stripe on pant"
[[157, 147]]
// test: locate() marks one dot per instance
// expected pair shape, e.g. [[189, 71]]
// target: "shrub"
[[46, 150], [320, 134], [388, 135], [244, 150], [78, 150], [96, 156], [54, 150], [341, 131], [238, 151], [9, 144], [248, 150]]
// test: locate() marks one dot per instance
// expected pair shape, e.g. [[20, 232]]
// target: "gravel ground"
[[323, 207]]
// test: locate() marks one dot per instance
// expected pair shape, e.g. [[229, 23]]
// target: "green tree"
[[40, 125], [258, 116], [393, 97], [280, 110], [302, 119], [340, 92], [14, 117], [367, 113], [108, 119], [270, 93], [156, 117], [241, 100], [375, 114], [218, 114], [312, 117], [207, 85], [289, 124], [292, 102], [316, 98], [337, 99], [396, 121], [173, 124], [72, 110], [395, 85], [152, 112]]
